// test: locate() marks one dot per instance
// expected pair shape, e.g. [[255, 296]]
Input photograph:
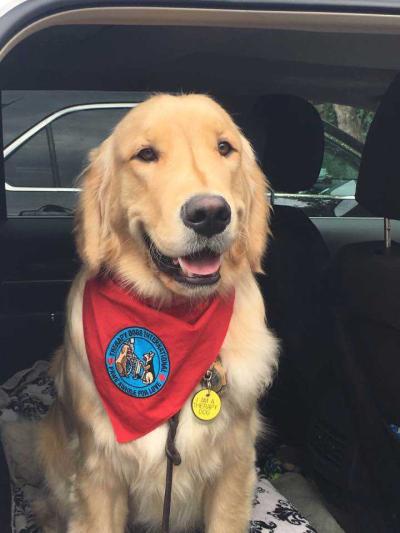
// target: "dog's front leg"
[[101, 504], [228, 503]]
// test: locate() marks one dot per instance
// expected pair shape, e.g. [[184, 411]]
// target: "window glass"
[[54, 157], [333, 194], [76, 134], [339, 171], [30, 164]]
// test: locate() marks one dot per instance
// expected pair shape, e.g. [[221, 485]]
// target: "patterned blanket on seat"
[[27, 396]]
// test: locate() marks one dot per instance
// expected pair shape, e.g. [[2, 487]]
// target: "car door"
[[41, 168]]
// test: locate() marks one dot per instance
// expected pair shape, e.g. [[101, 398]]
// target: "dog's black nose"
[[206, 214]]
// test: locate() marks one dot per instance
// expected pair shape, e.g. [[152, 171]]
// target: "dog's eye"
[[224, 148], [147, 154]]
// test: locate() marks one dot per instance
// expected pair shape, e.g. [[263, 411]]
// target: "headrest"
[[294, 142], [378, 185]]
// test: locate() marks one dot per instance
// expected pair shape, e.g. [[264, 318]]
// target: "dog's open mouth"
[[199, 268]]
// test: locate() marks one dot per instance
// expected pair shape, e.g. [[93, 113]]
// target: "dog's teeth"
[[187, 273], [175, 261]]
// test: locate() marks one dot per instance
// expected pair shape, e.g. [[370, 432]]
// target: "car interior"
[[331, 284]]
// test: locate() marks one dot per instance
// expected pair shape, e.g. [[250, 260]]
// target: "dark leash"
[[173, 458], [213, 382]]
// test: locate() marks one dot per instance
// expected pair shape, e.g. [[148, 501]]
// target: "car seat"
[[366, 281], [365, 289], [296, 259]]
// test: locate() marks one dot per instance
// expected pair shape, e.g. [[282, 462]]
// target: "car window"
[[30, 165], [333, 194], [48, 136], [75, 135], [338, 175]]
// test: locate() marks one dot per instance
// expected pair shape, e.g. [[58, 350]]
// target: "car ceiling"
[[345, 68]]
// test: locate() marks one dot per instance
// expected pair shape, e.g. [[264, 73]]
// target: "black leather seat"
[[366, 275], [365, 287], [296, 260]]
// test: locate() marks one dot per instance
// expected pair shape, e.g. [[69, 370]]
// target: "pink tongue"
[[200, 267]]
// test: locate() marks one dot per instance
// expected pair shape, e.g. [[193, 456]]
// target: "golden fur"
[[95, 484]]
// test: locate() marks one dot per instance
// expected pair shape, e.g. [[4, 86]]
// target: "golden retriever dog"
[[133, 223]]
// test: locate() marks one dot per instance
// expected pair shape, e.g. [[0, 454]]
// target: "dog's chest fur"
[[249, 357]]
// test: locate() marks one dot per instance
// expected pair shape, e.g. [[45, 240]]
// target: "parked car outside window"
[[43, 164]]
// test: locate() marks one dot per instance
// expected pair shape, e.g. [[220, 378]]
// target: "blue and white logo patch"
[[137, 362]]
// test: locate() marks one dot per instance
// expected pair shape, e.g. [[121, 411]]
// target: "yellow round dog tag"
[[206, 404]]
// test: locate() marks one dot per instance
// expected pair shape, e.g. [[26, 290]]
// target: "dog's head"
[[173, 202]]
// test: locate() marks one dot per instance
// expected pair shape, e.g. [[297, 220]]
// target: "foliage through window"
[[339, 171], [333, 194]]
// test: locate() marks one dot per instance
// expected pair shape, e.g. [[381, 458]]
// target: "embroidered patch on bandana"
[[147, 361], [137, 362]]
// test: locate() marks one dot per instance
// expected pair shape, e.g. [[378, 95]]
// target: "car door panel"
[[38, 264]]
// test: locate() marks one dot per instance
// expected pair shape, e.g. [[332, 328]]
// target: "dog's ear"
[[257, 207], [92, 222]]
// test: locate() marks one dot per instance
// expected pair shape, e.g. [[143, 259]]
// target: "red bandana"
[[146, 362]]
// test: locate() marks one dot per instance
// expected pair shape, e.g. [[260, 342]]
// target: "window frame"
[[45, 124]]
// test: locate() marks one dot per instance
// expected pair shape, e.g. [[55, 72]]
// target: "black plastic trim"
[[3, 205], [5, 494]]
